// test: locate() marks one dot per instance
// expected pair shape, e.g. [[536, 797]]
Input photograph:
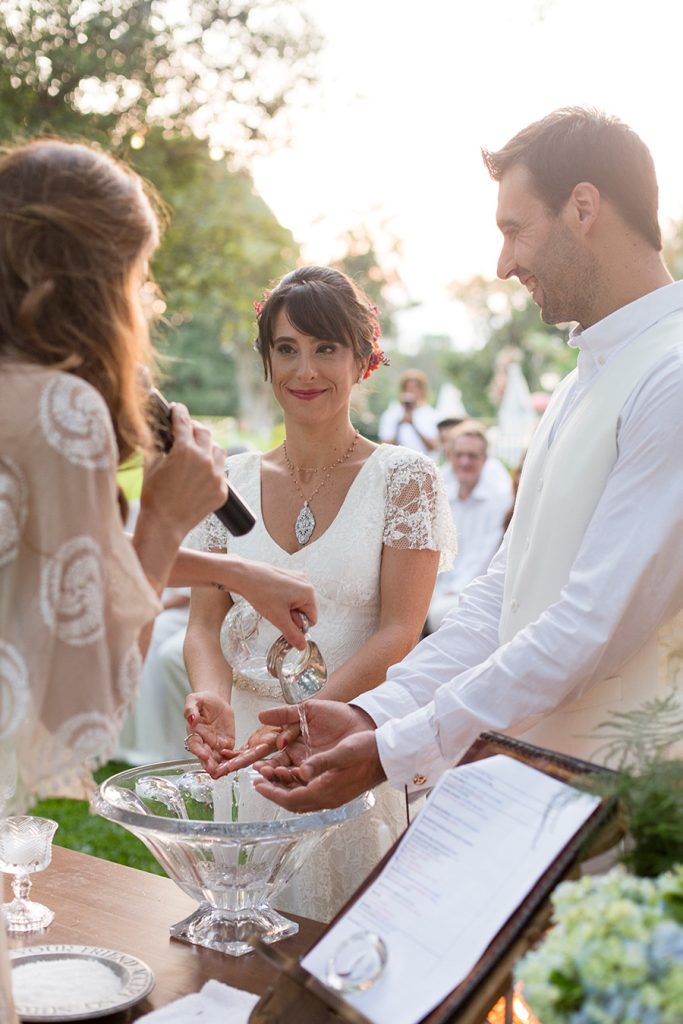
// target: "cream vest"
[[560, 489]]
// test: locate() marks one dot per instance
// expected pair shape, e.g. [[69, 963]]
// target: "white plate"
[[135, 976]]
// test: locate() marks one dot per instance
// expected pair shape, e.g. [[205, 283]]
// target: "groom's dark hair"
[[577, 144]]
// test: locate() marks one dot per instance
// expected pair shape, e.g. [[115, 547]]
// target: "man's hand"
[[344, 762], [263, 741]]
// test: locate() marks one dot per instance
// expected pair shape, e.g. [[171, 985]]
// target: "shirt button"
[[514, 605], [540, 484], [419, 780], [601, 360]]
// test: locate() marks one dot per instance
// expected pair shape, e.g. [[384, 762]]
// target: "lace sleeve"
[[209, 535], [417, 514]]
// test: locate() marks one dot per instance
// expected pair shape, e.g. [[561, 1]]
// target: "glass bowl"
[[226, 846]]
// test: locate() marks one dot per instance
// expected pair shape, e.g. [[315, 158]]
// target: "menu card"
[[487, 833]]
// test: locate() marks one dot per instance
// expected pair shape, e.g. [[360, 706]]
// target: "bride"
[[370, 526]]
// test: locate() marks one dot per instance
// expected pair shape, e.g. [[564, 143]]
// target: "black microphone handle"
[[235, 514]]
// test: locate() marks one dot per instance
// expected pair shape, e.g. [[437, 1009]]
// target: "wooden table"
[[98, 903]]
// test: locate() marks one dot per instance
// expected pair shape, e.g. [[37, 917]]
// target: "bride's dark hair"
[[322, 303]]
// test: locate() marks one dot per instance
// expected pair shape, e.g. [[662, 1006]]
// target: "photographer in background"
[[411, 421]]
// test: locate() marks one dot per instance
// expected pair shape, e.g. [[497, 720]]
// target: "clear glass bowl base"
[[233, 932], [26, 916], [222, 843]]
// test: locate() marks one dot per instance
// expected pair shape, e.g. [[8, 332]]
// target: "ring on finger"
[[186, 744]]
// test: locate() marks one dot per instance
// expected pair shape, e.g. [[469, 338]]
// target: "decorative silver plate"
[[136, 981]]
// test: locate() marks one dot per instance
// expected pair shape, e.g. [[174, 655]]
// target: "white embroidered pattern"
[[128, 677], [13, 689], [72, 592], [13, 509], [72, 419], [89, 737]]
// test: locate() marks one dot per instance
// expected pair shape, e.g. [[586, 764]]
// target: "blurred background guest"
[[479, 506], [411, 421]]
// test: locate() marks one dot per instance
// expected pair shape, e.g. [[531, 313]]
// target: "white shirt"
[[425, 420], [460, 681], [478, 520]]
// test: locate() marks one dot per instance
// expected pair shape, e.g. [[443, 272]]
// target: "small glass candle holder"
[[358, 963], [25, 847]]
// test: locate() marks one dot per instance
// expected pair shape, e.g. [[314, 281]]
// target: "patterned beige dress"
[[73, 595]]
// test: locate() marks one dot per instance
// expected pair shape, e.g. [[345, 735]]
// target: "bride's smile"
[[311, 371]]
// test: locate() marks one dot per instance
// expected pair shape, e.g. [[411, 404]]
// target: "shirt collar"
[[625, 323]]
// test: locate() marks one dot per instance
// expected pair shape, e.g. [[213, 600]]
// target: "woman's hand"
[[212, 730], [265, 741], [279, 596], [181, 488]]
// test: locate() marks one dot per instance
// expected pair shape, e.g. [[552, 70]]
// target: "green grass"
[[81, 830]]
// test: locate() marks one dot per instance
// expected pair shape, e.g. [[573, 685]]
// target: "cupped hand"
[[290, 778], [212, 730], [262, 742], [328, 779]]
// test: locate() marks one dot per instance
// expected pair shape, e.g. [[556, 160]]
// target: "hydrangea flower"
[[615, 955]]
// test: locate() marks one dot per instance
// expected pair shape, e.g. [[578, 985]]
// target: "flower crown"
[[377, 356]]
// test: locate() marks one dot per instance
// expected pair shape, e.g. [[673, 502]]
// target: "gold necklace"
[[305, 521]]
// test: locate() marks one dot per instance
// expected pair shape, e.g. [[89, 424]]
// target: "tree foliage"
[[222, 248], [157, 75], [110, 68]]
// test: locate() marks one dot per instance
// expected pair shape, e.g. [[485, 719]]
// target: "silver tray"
[[136, 979]]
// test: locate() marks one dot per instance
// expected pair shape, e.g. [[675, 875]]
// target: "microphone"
[[234, 513]]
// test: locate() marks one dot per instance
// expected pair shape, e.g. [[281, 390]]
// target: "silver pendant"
[[304, 525]]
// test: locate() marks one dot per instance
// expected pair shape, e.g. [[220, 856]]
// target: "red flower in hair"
[[377, 358], [258, 306]]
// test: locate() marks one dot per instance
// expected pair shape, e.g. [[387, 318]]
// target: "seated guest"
[[445, 428], [479, 507], [494, 472]]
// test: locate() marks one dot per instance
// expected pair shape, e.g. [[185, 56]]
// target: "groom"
[[579, 614]]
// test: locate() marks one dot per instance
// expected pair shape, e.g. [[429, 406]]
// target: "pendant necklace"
[[305, 521]]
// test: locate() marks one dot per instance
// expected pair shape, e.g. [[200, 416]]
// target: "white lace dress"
[[398, 500]]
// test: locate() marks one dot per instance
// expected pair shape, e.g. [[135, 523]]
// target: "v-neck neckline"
[[311, 544]]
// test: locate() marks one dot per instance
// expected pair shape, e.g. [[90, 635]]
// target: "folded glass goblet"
[[222, 843], [25, 847]]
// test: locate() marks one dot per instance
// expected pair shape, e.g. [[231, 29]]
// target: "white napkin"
[[216, 1003]]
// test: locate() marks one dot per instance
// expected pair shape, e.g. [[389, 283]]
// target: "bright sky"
[[410, 91]]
